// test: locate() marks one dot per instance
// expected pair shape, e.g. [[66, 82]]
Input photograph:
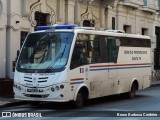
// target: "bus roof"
[[112, 34], [98, 32]]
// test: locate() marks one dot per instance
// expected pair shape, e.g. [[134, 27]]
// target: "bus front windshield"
[[45, 51]]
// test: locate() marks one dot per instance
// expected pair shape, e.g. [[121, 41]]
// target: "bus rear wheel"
[[132, 92]]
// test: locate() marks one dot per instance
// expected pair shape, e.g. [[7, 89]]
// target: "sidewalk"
[[9, 101], [155, 83]]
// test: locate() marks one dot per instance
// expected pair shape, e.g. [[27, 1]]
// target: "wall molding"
[[25, 8], [89, 15], [44, 7], [1, 7], [3, 17], [14, 21]]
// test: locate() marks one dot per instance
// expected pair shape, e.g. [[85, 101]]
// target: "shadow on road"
[[65, 106]]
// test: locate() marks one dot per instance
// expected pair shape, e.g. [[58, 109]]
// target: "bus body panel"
[[134, 67]]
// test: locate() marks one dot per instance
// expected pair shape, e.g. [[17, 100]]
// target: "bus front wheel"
[[79, 102]]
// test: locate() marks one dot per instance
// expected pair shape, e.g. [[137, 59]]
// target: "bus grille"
[[28, 79], [39, 80], [42, 79]]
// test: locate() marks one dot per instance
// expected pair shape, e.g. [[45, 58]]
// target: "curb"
[[155, 85], [13, 104]]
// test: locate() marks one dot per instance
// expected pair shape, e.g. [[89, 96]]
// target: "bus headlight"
[[52, 89], [57, 87], [61, 86]]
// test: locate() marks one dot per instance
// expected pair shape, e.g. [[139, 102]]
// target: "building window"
[[157, 50], [159, 4], [0, 7], [89, 23], [127, 28], [113, 23], [145, 2], [41, 18], [144, 31], [23, 37], [86, 23]]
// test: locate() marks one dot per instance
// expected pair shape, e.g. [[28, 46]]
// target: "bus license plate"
[[34, 90]]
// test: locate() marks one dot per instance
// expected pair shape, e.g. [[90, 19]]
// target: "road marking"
[[114, 109], [18, 109], [130, 118], [84, 118]]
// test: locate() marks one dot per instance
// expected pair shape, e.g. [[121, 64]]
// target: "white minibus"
[[64, 63]]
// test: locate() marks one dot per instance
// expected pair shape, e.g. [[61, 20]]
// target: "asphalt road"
[[146, 104]]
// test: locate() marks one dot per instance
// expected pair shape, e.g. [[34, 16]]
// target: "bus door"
[[112, 47], [95, 75]]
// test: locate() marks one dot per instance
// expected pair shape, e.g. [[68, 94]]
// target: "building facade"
[[19, 17]]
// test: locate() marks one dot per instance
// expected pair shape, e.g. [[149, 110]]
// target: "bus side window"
[[94, 52], [112, 49], [80, 54], [102, 50], [99, 50]]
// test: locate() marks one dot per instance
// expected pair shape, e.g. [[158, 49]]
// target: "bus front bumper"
[[42, 94]]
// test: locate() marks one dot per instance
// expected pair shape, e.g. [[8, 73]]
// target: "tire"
[[132, 92], [79, 102]]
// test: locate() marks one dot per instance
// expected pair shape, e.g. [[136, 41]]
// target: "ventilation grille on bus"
[[36, 96], [28, 79], [40, 79]]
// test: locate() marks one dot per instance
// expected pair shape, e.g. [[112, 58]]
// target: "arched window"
[[89, 23], [41, 18], [86, 23]]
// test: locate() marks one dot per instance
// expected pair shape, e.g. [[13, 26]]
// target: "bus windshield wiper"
[[59, 56]]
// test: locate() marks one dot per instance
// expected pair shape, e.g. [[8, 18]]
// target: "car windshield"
[[45, 51]]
